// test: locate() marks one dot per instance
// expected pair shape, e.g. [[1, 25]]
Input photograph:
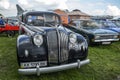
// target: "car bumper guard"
[[39, 70]]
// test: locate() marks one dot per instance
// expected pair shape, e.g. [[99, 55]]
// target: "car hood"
[[44, 29], [101, 31], [116, 29]]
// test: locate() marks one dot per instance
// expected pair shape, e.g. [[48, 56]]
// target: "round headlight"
[[73, 38], [38, 40], [97, 37], [115, 36]]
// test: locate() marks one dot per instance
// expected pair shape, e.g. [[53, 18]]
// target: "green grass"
[[104, 65]]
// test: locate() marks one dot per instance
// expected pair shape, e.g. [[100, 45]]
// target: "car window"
[[51, 20], [35, 20], [48, 20], [112, 25], [117, 23], [77, 24], [13, 22], [89, 24], [105, 25], [108, 25]]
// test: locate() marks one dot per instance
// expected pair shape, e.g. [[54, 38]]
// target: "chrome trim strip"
[[105, 40], [58, 44]]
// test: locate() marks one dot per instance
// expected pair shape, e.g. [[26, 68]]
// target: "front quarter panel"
[[78, 50], [27, 51], [23, 39]]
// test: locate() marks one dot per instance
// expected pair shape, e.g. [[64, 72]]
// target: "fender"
[[80, 47], [22, 39], [25, 43]]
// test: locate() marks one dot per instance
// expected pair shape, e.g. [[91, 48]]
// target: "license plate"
[[33, 64], [106, 42]]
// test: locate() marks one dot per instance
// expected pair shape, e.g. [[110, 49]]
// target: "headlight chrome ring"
[[115, 36], [38, 40], [97, 37], [73, 38]]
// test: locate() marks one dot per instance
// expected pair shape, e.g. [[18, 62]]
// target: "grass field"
[[104, 65]]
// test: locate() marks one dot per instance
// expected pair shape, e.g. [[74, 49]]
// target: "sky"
[[91, 7]]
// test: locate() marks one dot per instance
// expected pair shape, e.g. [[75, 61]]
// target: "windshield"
[[117, 23], [89, 24], [12, 21], [106, 24], [47, 20]]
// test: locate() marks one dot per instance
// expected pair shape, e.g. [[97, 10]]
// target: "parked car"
[[91, 31], [109, 25], [44, 45], [8, 28], [13, 21]]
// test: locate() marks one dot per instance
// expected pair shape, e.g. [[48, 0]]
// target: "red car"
[[10, 28]]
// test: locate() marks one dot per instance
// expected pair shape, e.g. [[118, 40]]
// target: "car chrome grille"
[[57, 46], [52, 41], [63, 46], [106, 37]]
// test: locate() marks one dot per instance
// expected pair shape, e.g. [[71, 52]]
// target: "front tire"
[[10, 33]]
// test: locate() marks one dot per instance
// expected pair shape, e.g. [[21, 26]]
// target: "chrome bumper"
[[106, 40], [39, 70]]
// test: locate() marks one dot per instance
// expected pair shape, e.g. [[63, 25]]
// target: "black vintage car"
[[92, 32], [44, 45]]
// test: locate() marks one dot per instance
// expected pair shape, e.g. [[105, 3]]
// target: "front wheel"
[[10, 33]]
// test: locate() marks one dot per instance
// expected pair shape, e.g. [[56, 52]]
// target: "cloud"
[[98, 12], [47, 2], [26, 4], [74, 4], [4, 4], [23, 2], [11, 11], [113, 10], [89, 8], [57, 3], [42, 4], [8, 8], [108, 10]]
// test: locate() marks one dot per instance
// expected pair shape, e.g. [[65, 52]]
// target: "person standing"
[[1, 21]]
